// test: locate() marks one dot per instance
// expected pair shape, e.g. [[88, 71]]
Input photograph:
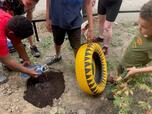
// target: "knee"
[[75, 47], [108, 28]]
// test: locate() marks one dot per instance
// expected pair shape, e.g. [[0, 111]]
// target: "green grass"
[[137, 94]]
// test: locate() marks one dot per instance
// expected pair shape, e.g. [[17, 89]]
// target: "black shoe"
[[35, 52], [98, 39], [53, 60]]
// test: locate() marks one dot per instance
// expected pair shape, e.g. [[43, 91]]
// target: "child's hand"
[[131, 71]]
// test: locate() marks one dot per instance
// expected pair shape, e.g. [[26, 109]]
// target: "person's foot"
[[105, 50], [97, 39], [3, 79], [53, 60], [35, 52]]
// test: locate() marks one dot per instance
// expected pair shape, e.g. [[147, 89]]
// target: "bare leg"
[[30, 41], [57, 50], [101, 25], [35, 52], [107, 33], [29, 16]]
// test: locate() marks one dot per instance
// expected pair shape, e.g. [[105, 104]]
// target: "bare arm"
[[21, 50], [48, 20], [17, 67], [133, 70], [88, 7]]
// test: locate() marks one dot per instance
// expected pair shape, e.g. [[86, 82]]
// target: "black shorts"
[[74, 36], [110, 8]]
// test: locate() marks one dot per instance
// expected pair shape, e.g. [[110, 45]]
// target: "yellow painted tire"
[[91, 68]]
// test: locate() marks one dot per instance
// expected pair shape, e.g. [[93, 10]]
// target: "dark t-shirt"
[[66, 13], [15, 5]]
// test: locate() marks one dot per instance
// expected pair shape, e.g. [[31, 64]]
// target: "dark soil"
[[42, 90]]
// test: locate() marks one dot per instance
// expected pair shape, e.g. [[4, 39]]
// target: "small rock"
[[61, 111], [4, 93], [102, 98], [13, 110], [6, 85], [81, 111], [53, 110], [16, 108], [17, 100], [6, 107], [59, 101], [11, 105], [18, 111], [9, 110], [9, 92]]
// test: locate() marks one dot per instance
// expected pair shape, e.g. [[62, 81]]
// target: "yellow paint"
[[85, 79]]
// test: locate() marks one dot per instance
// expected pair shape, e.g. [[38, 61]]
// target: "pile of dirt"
[[42, 90]]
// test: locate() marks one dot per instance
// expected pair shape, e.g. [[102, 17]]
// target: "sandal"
[[53, 60]]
